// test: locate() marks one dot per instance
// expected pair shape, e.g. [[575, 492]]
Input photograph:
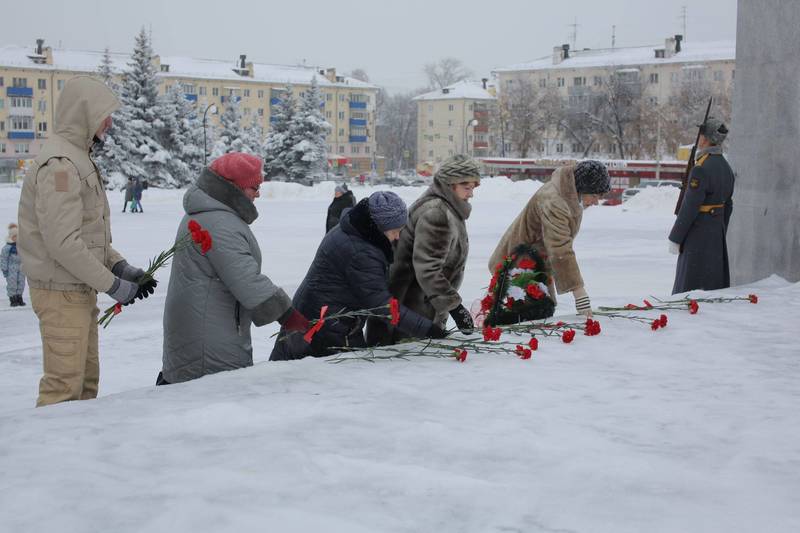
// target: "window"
[[246, 111], [328, 114], [598, 80], [673, 77], [660, 53], [579, 81], [21, 123], [341, 132], [450, 138], [42, 84], [1, 81], [717, 75], [560, 82], [21, 101], [19, 82], [449, 122], [247, 93], [164, 68], [341, 97], [430, 108], [733, 76], [2, 147], [202, 91], [366, 149], [430, 123], [341, 149], [260, 111], [328, 97], [2, 125], [653, 100], [576, 148], [59, 83], [42, 127], [654, 77], [215, 91], [450, 107], [542, 82], [509, 82], [22, 148], [560, 148], [355, 149], [302, 94], [2, 103], [341, 115]]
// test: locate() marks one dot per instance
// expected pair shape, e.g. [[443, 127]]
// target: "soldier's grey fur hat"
[[714, 129], [458, 169], [341, 188]]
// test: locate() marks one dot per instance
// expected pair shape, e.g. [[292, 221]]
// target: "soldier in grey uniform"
[[699, 231]]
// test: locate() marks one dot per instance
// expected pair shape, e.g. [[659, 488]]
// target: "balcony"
[[21, 135], [358, 105], [16, 111], [19, 91], [358, 122], [190, 97], [274, 101], [358, 138]]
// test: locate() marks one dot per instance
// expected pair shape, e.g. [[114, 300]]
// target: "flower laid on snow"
[[460, 355], [487, 302], [394, 309], [753, 298], [662, 321], [491, 334], [591, 328], [655, 325], [533, 343], [693, 307], [568, 336], [523, 352]]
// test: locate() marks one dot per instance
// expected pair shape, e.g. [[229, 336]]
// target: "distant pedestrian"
[[11, 268], [699, 231], [137, 196], [128, 195], [342, 199]]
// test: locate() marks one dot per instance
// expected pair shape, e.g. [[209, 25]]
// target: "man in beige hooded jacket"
[[65, 243], [551, 220]]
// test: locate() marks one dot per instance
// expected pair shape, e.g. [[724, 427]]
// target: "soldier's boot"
[[13, 300], [20, 301]]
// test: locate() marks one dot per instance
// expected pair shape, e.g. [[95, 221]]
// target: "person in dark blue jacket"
[[350, 272]]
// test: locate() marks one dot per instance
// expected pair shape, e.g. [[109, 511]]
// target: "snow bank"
[[659, 200]]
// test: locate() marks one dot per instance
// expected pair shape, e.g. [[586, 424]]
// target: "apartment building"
[[658, 75], [452, 120], [31, 79]]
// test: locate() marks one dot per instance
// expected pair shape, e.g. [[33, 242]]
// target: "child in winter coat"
[[10, 266]]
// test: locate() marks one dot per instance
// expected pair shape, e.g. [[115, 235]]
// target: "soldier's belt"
[[708, 208]]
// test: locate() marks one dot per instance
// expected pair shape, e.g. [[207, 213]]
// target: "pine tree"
[[109, 156], [254, 137], [105, 71], [145, 158], [308, 130], [279, 142], [230, 136], [181, 136]]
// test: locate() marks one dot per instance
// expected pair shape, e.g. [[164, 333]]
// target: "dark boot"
[[13, 300], [19, 300]]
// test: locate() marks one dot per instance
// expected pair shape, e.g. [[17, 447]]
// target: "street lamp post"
[[473, 123], [205, 114]]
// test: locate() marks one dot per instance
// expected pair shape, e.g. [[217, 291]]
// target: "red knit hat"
[[243, 170]]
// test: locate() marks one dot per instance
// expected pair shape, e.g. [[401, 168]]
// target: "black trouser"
[[161, 381]]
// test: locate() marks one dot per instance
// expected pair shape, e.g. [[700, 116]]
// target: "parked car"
[[627, 194], [658, 183], [614, 197]]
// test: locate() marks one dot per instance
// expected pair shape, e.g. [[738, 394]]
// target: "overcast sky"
[[390, 40]]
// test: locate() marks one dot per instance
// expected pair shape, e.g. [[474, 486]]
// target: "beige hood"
[[83, 105]]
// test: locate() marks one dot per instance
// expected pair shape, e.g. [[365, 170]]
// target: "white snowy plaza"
[[693, 428]]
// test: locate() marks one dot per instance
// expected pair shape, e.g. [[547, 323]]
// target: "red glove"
[[292, 320]]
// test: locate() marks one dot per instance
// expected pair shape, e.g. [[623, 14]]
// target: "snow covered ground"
[[691, 428]]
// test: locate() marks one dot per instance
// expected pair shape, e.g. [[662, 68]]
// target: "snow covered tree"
[[308, 154], [230, 136], [145, 158], [254, 137], [279, 141], [105, 71], [181, 136]]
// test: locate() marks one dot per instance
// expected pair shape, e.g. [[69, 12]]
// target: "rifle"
[[690, 164]]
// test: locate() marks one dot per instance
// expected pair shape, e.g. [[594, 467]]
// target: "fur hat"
[[714, 130], [243, 170], [13, 232], [387, 210], [341, 188], [458, 169], [591, 177]]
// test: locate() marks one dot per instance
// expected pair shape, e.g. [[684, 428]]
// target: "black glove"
[[146, 287], [436, 332], [463, 320]]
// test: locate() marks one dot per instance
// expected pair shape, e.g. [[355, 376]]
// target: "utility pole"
[[574, 36], [684, 16], [613, 36]]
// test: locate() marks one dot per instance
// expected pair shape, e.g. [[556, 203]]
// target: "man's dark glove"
[[463, 320], [437, 332], [293, 320], [146, 287]]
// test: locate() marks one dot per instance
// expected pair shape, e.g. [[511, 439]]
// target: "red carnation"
[[527, 264], [498, 267], [460, 355], [205, 241], [559, 324], [568, 336], [117, 308], [491, 334], [592, 328], [655, 325], [632, 307], [534, 343], [509, 302], [693, 307], [534, 291], [394, 309], [493, 283], [522, 352], [487, 302], [753, 298], [662, 321], [648, 305]]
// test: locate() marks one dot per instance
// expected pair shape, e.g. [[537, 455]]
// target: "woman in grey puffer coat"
[[213, 298]]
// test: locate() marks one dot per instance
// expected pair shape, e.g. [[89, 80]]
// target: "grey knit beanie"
[[458, 169], [591, 177], [387, 210]]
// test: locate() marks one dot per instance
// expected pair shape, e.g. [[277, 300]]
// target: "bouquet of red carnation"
[[518, 290], [196, 235]]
